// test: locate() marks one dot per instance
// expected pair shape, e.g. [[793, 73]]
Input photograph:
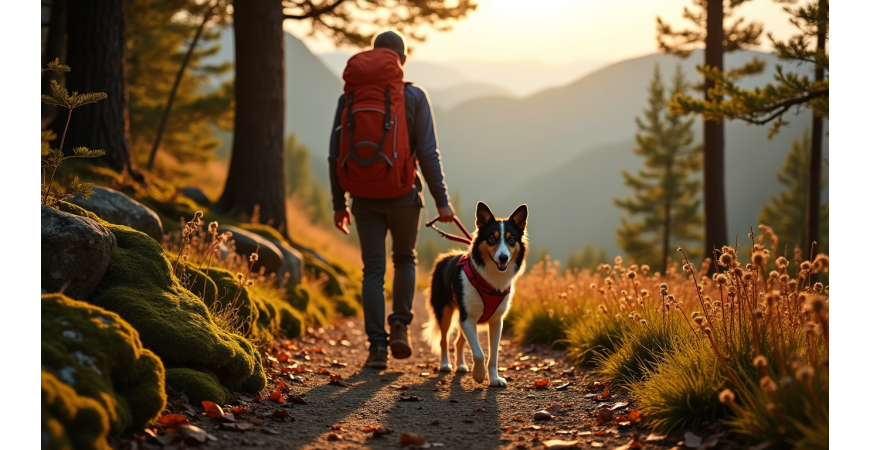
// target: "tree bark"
[[256, 174], [815, 185], [55, 44], [95, 52], [714, 139]]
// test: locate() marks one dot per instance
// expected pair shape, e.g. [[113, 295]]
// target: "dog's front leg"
[[469, 329], [495, 325]]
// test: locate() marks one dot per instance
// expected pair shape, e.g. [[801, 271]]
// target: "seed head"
[[806, 265], [699, 288], [708, 331], [644, 269], [781, 262], [663, 286], [805, 373], [698, 320], [768, 385], [239, 276], [794, 361], [758, 314], [254, 257], [644, 293], [792, 284], [758, 259], [725, 259], [671, 298], [726, 396], [738, 272], [760, 361], [687, 267], [632, 274], [617, 261], [721, 279], [821, 262], [773, 275], [593, 286], [643, 322], [818, 287], [249, 283]]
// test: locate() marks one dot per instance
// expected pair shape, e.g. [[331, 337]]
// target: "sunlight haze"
[[561, 31]]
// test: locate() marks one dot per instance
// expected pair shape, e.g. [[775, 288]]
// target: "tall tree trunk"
[[95, 52], [55, 44], [815, 185], [256, 174], [666, 241], [714, 140]]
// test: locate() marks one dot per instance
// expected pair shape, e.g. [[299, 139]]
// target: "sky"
[[562, 31]]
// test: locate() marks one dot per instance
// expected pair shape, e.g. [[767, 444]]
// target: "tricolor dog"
[[474, 289]]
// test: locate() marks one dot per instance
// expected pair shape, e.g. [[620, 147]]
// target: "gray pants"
[[372, 223]]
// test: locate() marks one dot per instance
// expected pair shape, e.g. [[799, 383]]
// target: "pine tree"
[[717, 38], [768, 104], [787, 211], [297, 168], [158, 32], [666, 190]]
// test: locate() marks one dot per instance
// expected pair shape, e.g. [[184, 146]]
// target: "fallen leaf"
[[414, 439], [335, 427], [562, 387], [239, 410], [333, 437], [295, 398], [542, 383], [378, 431], [604, 415], [323, 371], [600, 432], [553, 409], [281, 414], [258, 399], [691, 440], [559, 444], [212, 409], [277, 396], [634, 416], [191, 434], [171, 420], [618, 405], [655, 437]]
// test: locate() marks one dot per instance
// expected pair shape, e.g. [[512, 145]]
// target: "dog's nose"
[[503, 259]]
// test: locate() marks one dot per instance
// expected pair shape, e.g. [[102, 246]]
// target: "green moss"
[[71, 421], [199, 385], [227, 286], [172, 321], [100, 355], [264, 231]]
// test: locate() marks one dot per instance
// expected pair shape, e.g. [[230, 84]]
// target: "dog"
[[474, 288]]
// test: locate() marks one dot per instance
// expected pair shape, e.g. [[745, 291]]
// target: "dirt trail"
[[453, 410]]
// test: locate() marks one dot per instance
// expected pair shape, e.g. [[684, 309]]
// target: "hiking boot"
[[377, 359], [400, 342]]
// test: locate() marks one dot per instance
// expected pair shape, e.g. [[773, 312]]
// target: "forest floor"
[[448, 410]]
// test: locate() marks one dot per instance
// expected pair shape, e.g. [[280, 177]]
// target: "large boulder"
[[195, 194], [293, 263], [75, 252], [115, 207], [246, 243]]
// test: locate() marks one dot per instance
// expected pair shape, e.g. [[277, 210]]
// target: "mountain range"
[[561, 150]]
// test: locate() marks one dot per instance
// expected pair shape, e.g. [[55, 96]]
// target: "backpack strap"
[[365, 162]]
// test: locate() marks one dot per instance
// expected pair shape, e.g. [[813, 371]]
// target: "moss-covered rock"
[[71, 421], [172, 321], [100, 355], [199, 385]]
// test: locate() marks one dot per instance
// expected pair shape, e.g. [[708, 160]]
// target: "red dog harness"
[[492, 298]]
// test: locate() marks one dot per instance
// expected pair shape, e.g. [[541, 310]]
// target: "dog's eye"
[[511, 240], [491, 239]]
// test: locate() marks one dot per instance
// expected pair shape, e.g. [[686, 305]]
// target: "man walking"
[[373, 153]]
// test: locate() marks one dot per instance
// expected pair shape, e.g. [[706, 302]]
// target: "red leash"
[[452, 237]]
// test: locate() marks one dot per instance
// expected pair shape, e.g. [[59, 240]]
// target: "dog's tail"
[[432, 327]]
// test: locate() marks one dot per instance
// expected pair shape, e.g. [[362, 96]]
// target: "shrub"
[[140, 287], [100, 356], [541, 324], [594, 335], [70, 420]]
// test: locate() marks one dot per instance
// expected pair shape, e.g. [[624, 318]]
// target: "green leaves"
[[61, 97], [84, 152], [56, 66]]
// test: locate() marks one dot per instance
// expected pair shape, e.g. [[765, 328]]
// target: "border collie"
[[475, 288]]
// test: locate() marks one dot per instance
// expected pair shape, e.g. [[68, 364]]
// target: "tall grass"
[[748, 344]]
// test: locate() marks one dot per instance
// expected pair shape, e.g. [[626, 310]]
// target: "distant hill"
[[507, 151], [447, 98]]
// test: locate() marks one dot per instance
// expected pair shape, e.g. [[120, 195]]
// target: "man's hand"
[[446, 214], [342, 220]]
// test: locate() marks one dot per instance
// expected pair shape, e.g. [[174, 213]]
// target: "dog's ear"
[[520, 216], [483, 215]]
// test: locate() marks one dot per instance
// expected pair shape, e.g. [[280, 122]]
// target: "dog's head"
[[500, 242]]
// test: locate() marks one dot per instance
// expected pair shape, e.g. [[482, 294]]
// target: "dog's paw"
[[462, 368], [497, 381], [445, 368], [479, 372]]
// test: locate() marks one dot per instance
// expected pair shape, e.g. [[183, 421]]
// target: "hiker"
[[376, 142]]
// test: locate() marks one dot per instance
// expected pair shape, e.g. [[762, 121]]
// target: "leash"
[[452, 237]]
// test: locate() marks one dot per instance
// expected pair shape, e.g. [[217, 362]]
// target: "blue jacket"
[[424, 146]]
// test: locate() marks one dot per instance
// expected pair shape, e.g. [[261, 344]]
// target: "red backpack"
[[374, 152]]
